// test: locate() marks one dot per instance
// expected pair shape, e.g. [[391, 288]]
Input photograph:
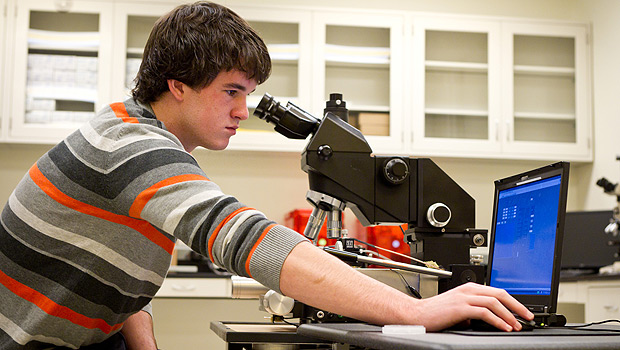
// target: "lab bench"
[[187, 303]]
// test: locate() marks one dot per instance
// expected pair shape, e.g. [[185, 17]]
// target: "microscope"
[[343, 172], [614, 222]]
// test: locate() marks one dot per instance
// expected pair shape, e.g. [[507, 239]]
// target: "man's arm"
[[321, 280], [138, 332]]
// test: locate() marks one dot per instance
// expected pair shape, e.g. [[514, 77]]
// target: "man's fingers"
[[498, 307], [493, 312], [504, 298]]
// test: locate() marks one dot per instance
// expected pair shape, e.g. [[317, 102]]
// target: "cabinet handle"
[[63, 5], [508, 131], [497, 131], [611, 308], [182, 288]]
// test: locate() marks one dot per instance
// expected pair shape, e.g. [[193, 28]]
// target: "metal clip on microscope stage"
[[344, 173]]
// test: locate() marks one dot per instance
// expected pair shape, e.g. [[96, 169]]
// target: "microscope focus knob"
[[438, 215], [277, 304], [395, 170], [325, 152]]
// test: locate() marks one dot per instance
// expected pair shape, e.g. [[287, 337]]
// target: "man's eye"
[[231, 92]]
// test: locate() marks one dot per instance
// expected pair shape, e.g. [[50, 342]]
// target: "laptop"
[[525, 243]]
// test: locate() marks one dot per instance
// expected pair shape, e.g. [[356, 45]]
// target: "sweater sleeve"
[[183, 202]]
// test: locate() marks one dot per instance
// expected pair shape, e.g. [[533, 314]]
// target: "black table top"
[[599, 337]]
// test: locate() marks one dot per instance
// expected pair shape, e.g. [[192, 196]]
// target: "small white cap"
[[400, 330]]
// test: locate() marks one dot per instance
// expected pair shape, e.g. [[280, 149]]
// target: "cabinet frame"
[[581, 149], [501, 141], [22, 132], [395, 23], [407, 74], [450, 147]]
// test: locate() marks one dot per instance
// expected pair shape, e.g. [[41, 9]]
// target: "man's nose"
[[241, 110]]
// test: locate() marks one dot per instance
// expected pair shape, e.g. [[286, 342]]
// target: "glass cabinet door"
[[456, 86], [360, 56], [133, 23], [547, 107], [62, 61]]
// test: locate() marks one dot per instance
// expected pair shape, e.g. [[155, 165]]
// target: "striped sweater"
[[86, 238]]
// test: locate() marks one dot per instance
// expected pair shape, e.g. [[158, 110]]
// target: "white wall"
[[606, 85], [274, 183]]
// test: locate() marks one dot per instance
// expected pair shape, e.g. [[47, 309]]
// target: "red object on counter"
[[389, 237], [298, 219]]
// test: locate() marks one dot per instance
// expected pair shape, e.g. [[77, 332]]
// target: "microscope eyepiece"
[[290, 121], [269, 109], [607, 186]]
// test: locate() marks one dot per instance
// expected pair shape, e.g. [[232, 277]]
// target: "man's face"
[[211, 115]]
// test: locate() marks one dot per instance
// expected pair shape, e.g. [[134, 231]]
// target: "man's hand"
[[471, 301], [138, 332], [318, 279]]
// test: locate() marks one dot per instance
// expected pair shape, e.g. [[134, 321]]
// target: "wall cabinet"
[[423, 85], [360, 55], [501, 88], [547, 78], [456, 94], [61, 67]]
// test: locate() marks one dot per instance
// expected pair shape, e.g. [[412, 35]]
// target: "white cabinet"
[[501, 88], [61, 67], [195, 288], [546, 102], [603, 303], [360, 55], [456, 86], [415, 84]]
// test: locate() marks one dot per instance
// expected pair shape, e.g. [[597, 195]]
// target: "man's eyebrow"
[[235, 86]]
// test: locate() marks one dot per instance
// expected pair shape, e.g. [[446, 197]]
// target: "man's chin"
[[218, 147]]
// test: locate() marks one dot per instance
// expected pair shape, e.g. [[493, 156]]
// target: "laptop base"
[[549, 319]]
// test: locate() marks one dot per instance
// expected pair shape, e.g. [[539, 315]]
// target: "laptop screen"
[[524, 258]]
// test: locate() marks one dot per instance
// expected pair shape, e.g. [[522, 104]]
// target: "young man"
[[87, 236]]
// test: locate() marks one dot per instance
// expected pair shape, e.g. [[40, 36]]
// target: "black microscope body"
[[343, 173]]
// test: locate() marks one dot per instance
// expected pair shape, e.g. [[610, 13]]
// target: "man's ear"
[[177, 89]]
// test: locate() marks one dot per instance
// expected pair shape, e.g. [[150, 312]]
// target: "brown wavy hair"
[[194, 43]]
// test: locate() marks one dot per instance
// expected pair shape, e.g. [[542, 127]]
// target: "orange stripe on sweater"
[[146, 229], [145, 196], [121, 112], [260, 239], [219, 227], [52, 308]]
